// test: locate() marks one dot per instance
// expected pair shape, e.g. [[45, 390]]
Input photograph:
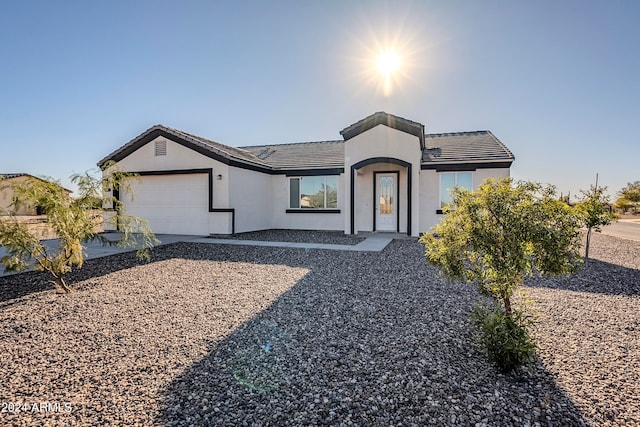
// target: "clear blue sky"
[[557, 81]]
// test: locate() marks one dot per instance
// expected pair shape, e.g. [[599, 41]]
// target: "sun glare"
[[388, 65], [388, 59], [388, 62]]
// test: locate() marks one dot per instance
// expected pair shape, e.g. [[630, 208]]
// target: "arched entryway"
[[386, 193]]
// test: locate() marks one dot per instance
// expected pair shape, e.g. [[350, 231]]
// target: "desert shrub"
[[495, 237], [504, 338]]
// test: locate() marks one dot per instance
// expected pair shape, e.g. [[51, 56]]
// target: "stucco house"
[[7, 184], [384, 175]]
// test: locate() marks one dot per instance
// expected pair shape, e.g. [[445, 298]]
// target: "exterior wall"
[[429, 199], [306, 220], [177, 157], [480, 175], [6, 196], [250, 196], [381, 141], [430, 193], [7, 193]]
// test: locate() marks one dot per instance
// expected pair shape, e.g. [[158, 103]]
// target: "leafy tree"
[[495, 237], [632, 193], [593, 209], [90, 191], [73, 222], [624, 204]]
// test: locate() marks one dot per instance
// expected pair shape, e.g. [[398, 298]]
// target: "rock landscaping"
[[298, 236], [237, 335]]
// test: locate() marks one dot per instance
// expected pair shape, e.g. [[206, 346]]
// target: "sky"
[[558, 82]]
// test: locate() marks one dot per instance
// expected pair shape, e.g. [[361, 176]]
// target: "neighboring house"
[[6, 194], [386, 174]]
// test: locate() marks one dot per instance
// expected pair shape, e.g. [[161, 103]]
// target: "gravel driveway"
[[235, 335]]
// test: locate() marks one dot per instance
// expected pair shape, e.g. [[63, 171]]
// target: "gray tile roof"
[[12, 175], [440, 149], [197, 142], [224, 150], [16, 175], [464, 147], [301, 155]]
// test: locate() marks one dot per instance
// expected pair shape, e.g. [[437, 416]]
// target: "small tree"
[[91, 194], [495, 237], [73, 222], [594, 212]]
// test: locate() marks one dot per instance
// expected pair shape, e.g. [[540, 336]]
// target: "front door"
[[386, 202]]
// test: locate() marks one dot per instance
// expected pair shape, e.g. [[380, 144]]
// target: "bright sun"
[[387, 63]]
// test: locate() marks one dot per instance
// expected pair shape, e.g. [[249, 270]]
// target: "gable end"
[[386, 119], [206, 149]]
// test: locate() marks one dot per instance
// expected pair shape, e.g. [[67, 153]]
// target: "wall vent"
[[161, 148]]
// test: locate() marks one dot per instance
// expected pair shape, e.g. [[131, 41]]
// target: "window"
[[449, 180], [161, 148], [313, 192]]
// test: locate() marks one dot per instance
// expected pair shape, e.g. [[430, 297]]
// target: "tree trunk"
[[507, 306], [60, 284], [586, 246]]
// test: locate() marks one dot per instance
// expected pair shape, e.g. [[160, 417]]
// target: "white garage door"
[[173, 204]]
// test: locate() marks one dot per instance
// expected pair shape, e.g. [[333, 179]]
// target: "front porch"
[[380, 196]]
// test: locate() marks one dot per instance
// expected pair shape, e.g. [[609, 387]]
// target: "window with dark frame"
[[313, 192], [450, 180]]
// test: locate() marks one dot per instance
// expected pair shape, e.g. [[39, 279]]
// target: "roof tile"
[[464, 147], [440, 148], [301, 155]]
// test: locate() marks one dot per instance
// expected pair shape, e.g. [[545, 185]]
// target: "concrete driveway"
[[95, 249]]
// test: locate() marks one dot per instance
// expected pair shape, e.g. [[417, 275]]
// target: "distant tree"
[[623, 204], [495, 237], [565, 199], [594, 211], [632, 193], [74, 224]]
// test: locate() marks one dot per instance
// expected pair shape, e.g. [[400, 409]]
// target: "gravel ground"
[[593, 318], [227, 335], [298, 236]]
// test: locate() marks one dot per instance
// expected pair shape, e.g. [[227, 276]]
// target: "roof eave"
[[159, 130], [471, 165]]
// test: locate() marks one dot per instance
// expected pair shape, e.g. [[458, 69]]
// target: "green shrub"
[[505, 338]]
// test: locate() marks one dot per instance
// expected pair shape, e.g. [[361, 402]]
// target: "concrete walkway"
[[94, 249], [370, 244]]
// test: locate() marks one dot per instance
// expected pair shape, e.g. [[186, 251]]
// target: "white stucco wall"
[[381, 141], [178, 157], [250, 196], [7, 193], [428, 200], [430, 193]]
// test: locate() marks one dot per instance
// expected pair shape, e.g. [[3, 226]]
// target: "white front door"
[[386, 202]]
